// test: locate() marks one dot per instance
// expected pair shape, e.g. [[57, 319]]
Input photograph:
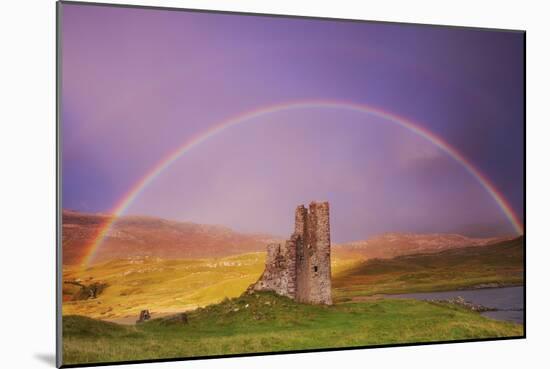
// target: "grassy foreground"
[[266, 322]]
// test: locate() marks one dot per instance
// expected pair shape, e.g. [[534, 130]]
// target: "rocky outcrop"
[[83, 292]]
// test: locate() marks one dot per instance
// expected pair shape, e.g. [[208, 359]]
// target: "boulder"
[[144, 315]]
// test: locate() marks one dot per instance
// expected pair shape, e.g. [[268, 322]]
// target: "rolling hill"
[[390, 245], [172, 285], [494, 265], [138, 236], [171, 267]]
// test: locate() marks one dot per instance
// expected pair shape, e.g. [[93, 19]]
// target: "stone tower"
[[300, 269]]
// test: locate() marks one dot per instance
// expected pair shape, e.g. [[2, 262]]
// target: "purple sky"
[[138, 83]]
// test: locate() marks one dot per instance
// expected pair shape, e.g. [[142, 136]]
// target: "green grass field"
[[222, 321], [495, 265], [266, 322]]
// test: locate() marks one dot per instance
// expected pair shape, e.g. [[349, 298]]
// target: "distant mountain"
[[389, 245], [132, 236]]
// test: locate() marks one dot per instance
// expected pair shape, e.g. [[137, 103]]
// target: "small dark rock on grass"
[[176, 319], [144, 315]]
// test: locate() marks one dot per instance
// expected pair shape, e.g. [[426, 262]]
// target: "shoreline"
[[485, 305]]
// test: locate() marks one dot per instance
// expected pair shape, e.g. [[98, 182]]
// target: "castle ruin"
[[300, 268]]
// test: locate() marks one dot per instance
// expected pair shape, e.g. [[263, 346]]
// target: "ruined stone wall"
[[313, 261], [279, 275], [303, 254], [300, 269]]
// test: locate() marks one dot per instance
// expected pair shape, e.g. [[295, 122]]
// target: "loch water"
[[508, 301]]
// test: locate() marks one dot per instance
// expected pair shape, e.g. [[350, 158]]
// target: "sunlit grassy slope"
[[165, 286], [265, 322]]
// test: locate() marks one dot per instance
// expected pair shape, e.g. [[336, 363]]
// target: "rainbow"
[[248, 116]]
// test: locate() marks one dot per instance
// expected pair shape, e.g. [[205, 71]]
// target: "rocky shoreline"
[[489, 285], [460, 301]]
